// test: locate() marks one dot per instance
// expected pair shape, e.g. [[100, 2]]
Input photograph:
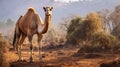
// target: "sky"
[[13, 9]]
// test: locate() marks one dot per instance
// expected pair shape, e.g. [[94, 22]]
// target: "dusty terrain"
[[60, 56]]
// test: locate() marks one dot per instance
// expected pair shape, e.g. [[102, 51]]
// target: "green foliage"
[[73, 26]]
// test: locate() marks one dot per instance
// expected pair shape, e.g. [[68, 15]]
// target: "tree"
[[105, 16], [115, 16], [10, 22]]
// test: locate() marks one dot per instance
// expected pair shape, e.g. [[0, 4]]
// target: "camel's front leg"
[[31, 49], [19, 52], [40, 48]]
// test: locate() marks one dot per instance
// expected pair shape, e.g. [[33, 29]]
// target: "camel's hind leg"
[[40, 48], [20, 46], [16, 42]]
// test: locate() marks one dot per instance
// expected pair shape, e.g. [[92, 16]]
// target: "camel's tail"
[[14, 40], [15, 35]]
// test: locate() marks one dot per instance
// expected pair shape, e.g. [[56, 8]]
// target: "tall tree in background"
[[6, 27], [115, 16], [105, 16]]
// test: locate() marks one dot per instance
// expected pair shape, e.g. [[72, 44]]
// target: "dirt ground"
[[65, 57]]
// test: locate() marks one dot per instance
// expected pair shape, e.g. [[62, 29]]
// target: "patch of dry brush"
[[89, 33], [3, 52]]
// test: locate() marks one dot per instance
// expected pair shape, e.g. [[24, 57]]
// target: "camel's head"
[[48, 10]]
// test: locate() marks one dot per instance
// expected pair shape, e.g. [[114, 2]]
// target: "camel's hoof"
[[24, 61], [42, 61], [21, 61], [30, 61]]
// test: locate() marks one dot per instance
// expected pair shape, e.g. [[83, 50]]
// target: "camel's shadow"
[[33, 64]]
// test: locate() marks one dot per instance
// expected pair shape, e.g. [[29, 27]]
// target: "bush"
[[100, 42], [103, 39], [73, 26], [83, 29], [90, 30], [91, 25], [93, 22], [3, 51]]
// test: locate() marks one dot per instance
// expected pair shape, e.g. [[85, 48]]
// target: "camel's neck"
[[46, 23]]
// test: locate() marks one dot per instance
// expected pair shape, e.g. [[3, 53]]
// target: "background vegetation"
[[3, 52], [89, 32]]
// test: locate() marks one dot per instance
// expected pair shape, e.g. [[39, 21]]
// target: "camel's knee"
[[19, 47], [40, 47]]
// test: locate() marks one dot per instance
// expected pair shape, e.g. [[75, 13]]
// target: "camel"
[[29, 25]]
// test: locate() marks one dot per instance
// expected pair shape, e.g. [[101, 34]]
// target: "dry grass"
[[103, 40], [3, 52]]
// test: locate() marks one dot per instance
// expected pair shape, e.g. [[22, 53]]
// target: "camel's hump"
[[31, 9]]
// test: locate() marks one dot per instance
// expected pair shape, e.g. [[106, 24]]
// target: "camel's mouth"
[[48, 14]]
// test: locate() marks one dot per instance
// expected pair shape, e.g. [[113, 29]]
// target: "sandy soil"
[[63, 57]]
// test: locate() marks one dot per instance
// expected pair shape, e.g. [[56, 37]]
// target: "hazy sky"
[[62, 8]]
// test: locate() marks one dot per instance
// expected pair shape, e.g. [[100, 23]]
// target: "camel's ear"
[[51, 8], [44, 8]]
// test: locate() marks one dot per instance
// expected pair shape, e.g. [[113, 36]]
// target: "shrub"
[[92, 24], [3, 51], [90, 31], [103, 39], [83, 29], [73, 26]]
